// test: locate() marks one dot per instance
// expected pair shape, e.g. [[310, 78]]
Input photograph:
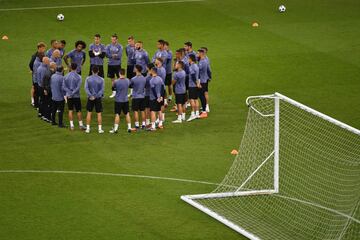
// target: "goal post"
[[296, 168]]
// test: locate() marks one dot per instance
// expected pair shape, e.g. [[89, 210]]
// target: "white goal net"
[[296, 176]]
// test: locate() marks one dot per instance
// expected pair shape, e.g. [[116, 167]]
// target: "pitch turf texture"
[[310, 53]]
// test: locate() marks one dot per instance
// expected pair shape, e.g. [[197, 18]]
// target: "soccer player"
[[56, 57], [36, 93], [161, 72], [210, 76], [130, 54], [97, 54], [77, 56], [147, 94], [157, 87], [168, 67], [194, 85], [188, 49], [180, 91], [94, 88], [41, 48], [141, 57], [121, 101], [71, 86], [62, 47], [43, 72], [57, 98], [47, 92], [204, 78], [161, 52], [54, 45], [114, 53], [138, 83]]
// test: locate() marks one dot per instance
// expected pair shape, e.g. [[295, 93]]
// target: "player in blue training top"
[[168, 67], [77, 56], [147, 94], [204, 70], [114, 54], [121, 101], [180, 90], [161, 52], [141, 57], [97, 54], [94, 88], [71, 86], [194, 85], [138, 84], [207, 109], [156, 99], [189, 50]]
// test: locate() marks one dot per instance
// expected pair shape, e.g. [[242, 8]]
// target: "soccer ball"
[[282, 8], [60, 17]]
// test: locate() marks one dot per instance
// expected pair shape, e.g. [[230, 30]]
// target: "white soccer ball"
[[60, 17], [282, 8]]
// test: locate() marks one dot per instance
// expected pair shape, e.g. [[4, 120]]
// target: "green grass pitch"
[[310, 53]]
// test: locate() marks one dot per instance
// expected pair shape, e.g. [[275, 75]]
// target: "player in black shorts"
[[138, 84], [94, 87], [114, 54]]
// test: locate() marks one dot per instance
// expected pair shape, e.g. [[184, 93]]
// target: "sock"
[[183, 115], [100, 127], [81, 123], [72, 124], [87, 127], [207, 106], [143, 123], [147, 121], [32, 100], [160, 123], [192, 114], [136, 124], [131, 91], [163, 117], [180, 117], [129, 125], [197, 113], [116, 127], [153, 125], [165, 102]]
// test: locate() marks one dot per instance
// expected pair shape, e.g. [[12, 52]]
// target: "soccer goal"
[[296, 176]]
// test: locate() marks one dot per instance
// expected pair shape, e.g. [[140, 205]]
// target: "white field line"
[[99, 5], [109, 174], [172, 179]]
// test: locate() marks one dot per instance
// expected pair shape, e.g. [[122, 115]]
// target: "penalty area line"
[[99, 5], [110, 174]]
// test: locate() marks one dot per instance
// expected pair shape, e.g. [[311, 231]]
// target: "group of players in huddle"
[[144, 81]]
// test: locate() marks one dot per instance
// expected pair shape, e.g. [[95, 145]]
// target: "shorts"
[[113, 70], [74, 103], [130, 71], [101, 70], [204, 87], [180, 98], [138, 104], [147, 102], [155, 106], [168, 79], [94, 103], [121, 107], [193, 93]]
